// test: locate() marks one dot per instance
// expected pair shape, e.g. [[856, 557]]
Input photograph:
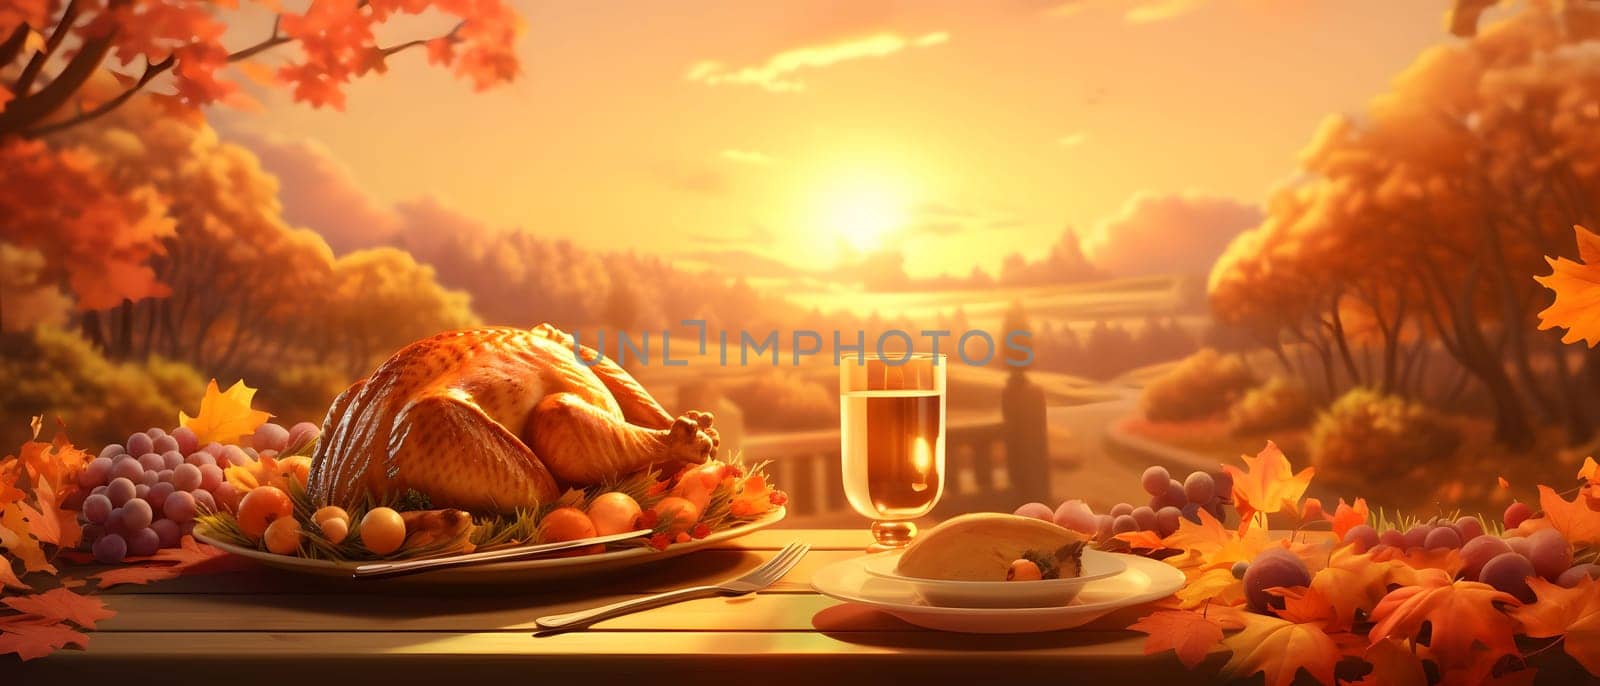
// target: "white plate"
[[1042, 593], [541, 569], [1143, 581]]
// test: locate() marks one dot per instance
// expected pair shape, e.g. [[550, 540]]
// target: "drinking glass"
[[891, 434]]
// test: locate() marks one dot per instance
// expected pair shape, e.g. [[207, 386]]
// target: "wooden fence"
[[993, 463]]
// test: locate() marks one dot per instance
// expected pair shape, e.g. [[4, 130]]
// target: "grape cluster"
[[1170, 501], [143, 494], [1504, 563]]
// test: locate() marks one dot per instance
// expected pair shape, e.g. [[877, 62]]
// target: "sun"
[[863, 208]]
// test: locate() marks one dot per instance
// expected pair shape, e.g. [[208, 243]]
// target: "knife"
[[381, 570]]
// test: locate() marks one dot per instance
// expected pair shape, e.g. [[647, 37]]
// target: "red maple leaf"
[[31, 639], [61, 605], [1187, 633]]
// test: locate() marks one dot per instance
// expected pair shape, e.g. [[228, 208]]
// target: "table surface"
[[268, 626]]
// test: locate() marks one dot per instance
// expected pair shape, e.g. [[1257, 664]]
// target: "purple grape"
[[1239, 568], [127, 467], [1199, 487], [186, 477], [1073, 514], [1273, 567], [255, 455], [1124, 524], [139, 444], [1516, 513], [155, 432], [1362, 536], [1393, 538], [186, 528], [204, 501], [116, 522], [168, 531], [1103, 526], [150, 478], [1223, 485], [180, 507], [112, 450], [96, 508], [141, 491], [164, 444], [187, 441], [120, 491], [227, 498], [171, 459], [1120, 509], [200, 459], [1155, 480], [111, 548], [213, 448], [1549, 553], [164, 476], [98, 490], [97, 472], [143, 542], [1572, 576], [91, 533], [270, 436], [1509, 572], [1167, 520], [1417, 535], [303, 433], [1478, 551], [1034, 510], [211, 478], [1191, 512], [236, 456], [1145, 517], [1174, 495], [1442, 537], [1470, 527], [137, 514], [157, 497], [1519, 545]]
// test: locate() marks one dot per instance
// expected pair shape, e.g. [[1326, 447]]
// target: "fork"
[[757, 579]]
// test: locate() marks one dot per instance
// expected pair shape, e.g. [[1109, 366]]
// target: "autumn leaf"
[[61, 605], [1577, 289], [136, 574], [225, 417], [16, 539], [1352, 583], [1191, 635], [1586, 472], [1303, 605], [1393, 664], [189, 556], [8, 576], [1142, 540], [1278, 649], [1573, 519], [32, 639], [1217, 584], [1267, 484], [1573, 613], [1468, 629], [1215, 543], [1346, 517]]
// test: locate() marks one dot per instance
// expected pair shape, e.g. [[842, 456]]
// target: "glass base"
[[891, 535]]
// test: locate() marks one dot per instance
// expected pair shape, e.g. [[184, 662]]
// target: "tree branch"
[[12, 46], [451, 36], [69, 16], [150, 72]]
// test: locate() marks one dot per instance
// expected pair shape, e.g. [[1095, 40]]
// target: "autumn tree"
[[378, 300], [1417, 226], [65, 64]]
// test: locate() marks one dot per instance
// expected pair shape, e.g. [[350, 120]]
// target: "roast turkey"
[[494, 420]]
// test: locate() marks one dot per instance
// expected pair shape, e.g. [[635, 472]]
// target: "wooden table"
[[266, 626]]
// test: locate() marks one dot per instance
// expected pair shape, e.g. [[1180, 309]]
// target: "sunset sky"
[[956, 132]]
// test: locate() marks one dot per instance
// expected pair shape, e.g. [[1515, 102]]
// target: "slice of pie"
[[982, 546]]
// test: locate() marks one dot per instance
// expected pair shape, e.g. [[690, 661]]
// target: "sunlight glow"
[[863, 209]]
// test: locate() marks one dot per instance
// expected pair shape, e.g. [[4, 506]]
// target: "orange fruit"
[[613, 513], [283, 536], [334, 529], [260, 507], [677, 513], [382, 530], [565, 524], [330, 512]]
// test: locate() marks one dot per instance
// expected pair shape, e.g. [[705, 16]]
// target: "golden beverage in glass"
[[891, 436]]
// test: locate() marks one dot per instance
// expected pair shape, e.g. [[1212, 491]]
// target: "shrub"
[[784, 400], [1367, 435], [1277, 404], [1203, 384], [60, 375]]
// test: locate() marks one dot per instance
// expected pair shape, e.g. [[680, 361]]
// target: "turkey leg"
[[582, 444]]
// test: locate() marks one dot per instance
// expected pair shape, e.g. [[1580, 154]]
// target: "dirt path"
[[1093, 461]]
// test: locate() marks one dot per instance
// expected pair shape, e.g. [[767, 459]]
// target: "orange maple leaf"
[[1142, 540], [225, 417], [1354, 582], [1469, 631], [1393, 664], [1279, 649], [31, 639], [1303, 605], [1586, 472], [16, 538], [1573, 519], [1346, 517], [136, 574], [1191, 635], [189, 556], [1577, 289], [8, 576], [61, 605], [1268, 483], [1573, 613], [1214, 543], [1216, 584]]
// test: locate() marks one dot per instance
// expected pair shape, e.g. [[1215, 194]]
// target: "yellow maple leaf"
[[1587, 471], [1279, 649], [1577, 289], [1268, 483], [1573, 518], [1212, 584], [225, 417]]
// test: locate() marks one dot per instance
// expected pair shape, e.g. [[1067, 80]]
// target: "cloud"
[[747, 157], [777, 73], [756, 234], [691, 178], [318, 190], [941, 219], [1133, 11], [1178, 233], [1073, 140]]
